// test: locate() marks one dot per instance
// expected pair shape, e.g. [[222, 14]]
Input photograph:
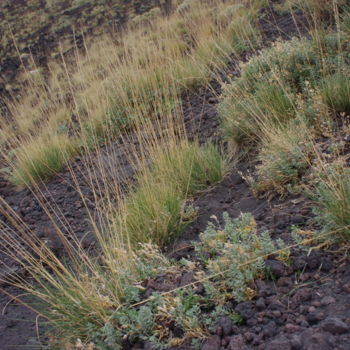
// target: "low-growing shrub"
[[232, 257], [236, 253]]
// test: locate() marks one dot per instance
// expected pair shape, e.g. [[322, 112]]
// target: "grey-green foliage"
[[236, 252], [232, 257]]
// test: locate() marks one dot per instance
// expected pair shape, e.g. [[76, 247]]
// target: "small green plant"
[[43, 159], [335, 91], [285, 156], [236, 254], [333, 199], [234, 258]]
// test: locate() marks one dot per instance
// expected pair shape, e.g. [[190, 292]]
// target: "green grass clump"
[[40, 160], [284, 158], [280, 83], [335, 91], [333, 199], [155, 210], [245, 114]]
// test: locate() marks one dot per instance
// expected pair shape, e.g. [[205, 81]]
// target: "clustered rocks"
[[304, 313]]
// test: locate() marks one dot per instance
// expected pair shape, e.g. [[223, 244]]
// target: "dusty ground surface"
[[307, 306]]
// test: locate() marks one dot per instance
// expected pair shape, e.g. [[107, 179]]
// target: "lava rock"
[[212, 343], [226, 325], [280, 343], [315, 340], [302, 295], [270, 329], [314, 317], [260, 304], [327, 300], [276, 267], [296, 342], [334, 325], [245, 309], [236, 342]]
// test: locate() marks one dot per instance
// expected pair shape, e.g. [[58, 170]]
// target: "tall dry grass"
[[107, 90]]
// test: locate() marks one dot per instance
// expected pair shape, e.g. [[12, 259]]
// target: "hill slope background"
[[183, 186]]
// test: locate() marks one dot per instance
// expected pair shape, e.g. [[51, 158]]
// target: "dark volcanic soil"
[[306, 307]]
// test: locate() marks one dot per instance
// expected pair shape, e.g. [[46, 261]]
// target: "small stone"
[[299, 262], [327, 300], [34, 343], [226, 325], [212, 343], [276, 305], [219, 331], [245, 309], [260, 304], [10, 323], [252, 322], [276, 267], [316, 303], [295, 342], [314, 317], [346, 287], [304, 324], [327, 265], [334, 325], [248, 336], [291, 328], [280, 343], [284, 282], [276, 313], [236, 342], [187, 278], [314, 260], [312, 309], [303, 294], [316, 340], [297, 219], [270, 329], [149, 346]]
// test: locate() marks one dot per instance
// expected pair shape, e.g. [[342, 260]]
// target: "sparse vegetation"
[[287, 103], [335, 91], [285, 156], [102, 95], [333, 198]]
